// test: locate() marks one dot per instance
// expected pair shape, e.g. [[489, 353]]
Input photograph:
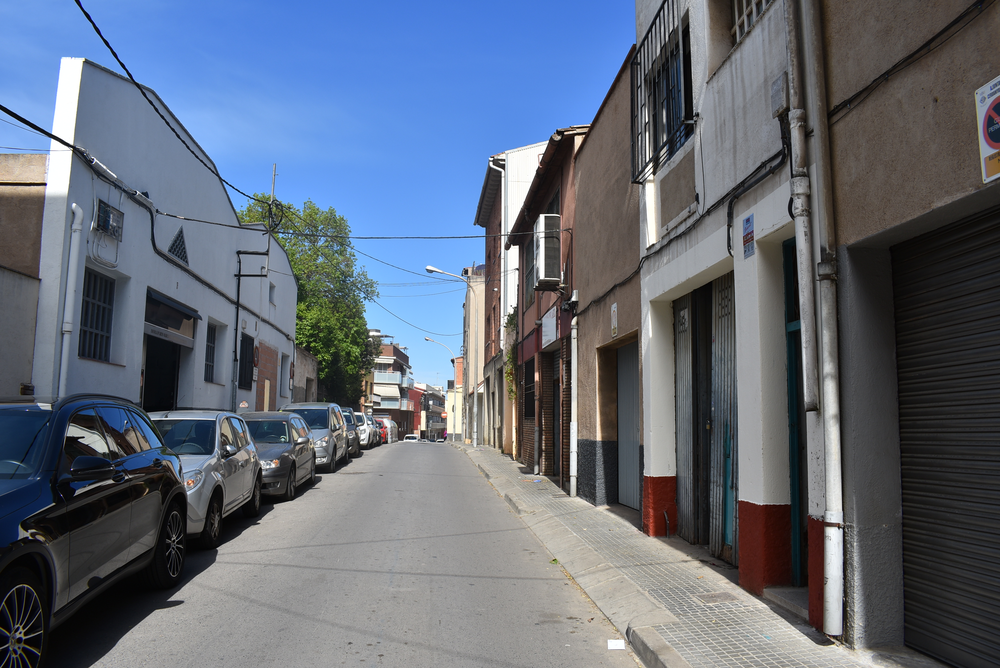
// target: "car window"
[[84, 438], [226, 435], [143, 430], [116, 427], [318, 418], [240, 432], [188, 437], [269, 431], [300, 427], [349, 418], [338, 418], [22, 443]]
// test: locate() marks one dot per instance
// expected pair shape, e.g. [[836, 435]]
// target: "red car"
[[384, 429]]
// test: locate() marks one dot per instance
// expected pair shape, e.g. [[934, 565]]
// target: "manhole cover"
[[715, 597]]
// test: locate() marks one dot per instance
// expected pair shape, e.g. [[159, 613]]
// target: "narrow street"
[[404, 557]]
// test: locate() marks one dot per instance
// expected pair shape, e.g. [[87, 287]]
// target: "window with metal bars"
[[96, 313], [246, 362], [529, 388], [745, 14], [662, 103], [210, 354]]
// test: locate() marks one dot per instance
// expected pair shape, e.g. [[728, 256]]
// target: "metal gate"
[[629, 463], [946, 289], [722, 542]]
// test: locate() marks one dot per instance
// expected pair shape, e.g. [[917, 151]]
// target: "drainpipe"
[[833, 518], [573, 426], [69, 299]]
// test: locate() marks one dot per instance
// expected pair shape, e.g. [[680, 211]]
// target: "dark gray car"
[[329, 431], [352, 420], [285, 447]]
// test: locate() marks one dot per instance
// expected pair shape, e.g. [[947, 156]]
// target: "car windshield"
[[188, 437], [348, 417], [318, 418], [269, 431], [21, 446]]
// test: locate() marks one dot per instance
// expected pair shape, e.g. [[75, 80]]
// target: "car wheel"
[[252, 507], [169, 552], [290, 486], [312, 471], [24, 619], [213, 524]]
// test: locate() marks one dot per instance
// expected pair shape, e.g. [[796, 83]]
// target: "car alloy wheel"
[[252, 507], [169, 554], [213, 524], [290, 486], [23, 620], [312, 471]]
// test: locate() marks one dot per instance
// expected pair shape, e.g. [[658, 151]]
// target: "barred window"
[[529, 388], [745, 14], [210, 354], [96, 316], [662, 103]]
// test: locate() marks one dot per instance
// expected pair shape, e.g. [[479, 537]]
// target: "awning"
[[387, 390]]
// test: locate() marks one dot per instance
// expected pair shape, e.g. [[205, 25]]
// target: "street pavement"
[[404, 557], [679, 607]]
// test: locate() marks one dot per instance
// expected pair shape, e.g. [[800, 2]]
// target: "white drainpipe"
[[573, 426], [69, 299]]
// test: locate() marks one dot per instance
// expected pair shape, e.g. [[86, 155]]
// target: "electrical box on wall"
[[109, 220]]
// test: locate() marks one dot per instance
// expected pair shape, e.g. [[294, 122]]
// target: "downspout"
[[69, 299], [236, 333], [573, 425], [812, 67], [498, 443]]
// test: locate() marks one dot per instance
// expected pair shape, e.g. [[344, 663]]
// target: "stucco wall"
[[912, 145], [22, 199]]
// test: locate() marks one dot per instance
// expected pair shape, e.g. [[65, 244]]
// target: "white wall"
[[105, 114]]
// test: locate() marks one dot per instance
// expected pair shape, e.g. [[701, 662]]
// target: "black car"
[[88, 495], [353, 437]]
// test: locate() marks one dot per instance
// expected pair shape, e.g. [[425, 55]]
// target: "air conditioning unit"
[[109, 220], [548, 260]]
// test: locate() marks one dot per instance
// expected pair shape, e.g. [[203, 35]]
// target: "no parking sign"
[[988, 116]]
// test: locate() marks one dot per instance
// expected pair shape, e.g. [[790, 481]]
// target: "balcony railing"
[[388, 377], [389, 403], [405, 405]]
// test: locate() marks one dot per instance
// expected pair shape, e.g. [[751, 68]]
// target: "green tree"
[[330, 314]]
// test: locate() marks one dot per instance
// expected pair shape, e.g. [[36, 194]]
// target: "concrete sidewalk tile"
[[653, 650], [595, 576], [580, 559]]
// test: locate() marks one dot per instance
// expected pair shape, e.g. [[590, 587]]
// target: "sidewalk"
[[673, 602]]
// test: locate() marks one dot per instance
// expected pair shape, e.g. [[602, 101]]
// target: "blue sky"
[[385, 111]]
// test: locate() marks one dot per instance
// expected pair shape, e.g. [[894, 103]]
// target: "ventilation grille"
[[177, 247]]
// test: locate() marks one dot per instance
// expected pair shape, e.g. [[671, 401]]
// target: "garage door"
[[947, 309]]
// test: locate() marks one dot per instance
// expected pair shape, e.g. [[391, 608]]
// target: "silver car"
[[329, 431], [285, 446], [222, 471]]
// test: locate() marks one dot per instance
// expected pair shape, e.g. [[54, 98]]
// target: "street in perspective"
[[662, 333]]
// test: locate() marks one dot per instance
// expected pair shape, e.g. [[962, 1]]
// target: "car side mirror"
[[91, 468], [301, 440], [229, 450]]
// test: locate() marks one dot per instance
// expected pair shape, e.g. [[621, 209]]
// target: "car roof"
[[267, 415], [190, 415]]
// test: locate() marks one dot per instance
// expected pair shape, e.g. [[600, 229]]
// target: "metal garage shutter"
[[947, 309]]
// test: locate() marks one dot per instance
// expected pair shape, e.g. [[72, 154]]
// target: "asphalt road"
[[404, 557]]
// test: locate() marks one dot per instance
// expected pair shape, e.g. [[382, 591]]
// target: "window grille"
[[745, 14], [529, 272], [178, 248], [210, 354], [661, 93], [96, 316], [529, 388]]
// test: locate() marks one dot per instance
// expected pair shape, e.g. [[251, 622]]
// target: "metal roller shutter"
[[947, 310]]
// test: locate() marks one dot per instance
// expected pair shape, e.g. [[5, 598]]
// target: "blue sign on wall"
[[748, 245]]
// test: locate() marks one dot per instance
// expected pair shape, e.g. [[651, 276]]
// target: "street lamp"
[[427, 338], [475, 337]]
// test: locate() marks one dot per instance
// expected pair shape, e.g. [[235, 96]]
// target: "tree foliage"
[[332, 288]]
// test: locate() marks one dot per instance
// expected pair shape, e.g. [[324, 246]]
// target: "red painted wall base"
[[815, 580], [659, 495], [765, 546]]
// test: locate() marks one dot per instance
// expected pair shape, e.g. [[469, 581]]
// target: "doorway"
[[797, 461], [160, 372]]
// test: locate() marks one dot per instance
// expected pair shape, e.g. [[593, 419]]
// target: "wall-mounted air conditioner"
[[109, 220], [548, 260]]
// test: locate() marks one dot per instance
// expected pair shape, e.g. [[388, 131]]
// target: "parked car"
[[383, 429], [329, 431], [364, 431], [353, 422], [88, 495], [286, 450], [222, 472], [410, 437], [376, 434]]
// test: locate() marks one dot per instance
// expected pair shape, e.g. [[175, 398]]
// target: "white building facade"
[[134, 300]]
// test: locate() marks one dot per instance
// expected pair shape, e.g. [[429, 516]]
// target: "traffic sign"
[[988, 120]]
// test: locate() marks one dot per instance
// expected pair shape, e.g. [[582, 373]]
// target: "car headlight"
[[193, 479], [321, 442], [268, 464]]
